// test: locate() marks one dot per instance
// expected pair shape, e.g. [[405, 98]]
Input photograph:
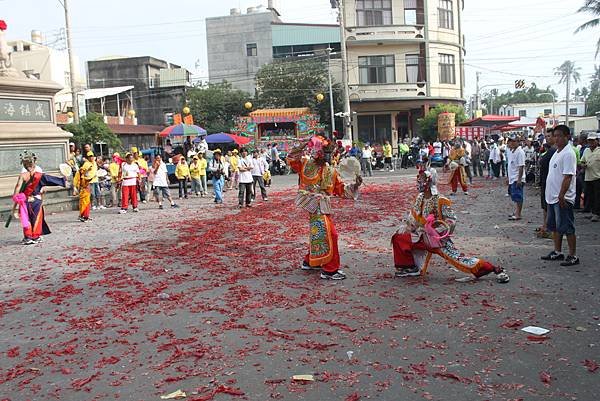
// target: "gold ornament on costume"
[[320, 97], [248, 105], [186, 110]]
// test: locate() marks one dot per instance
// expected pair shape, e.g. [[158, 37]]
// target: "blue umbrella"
[[219, 138]]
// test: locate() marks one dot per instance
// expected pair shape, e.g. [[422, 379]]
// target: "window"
[[446, 15], [547, 112], [251, 50], [376, 70], [522, 113], [573, 112], [26, 48], [375, 128], [151, 82], [412, 68], [447, 69], [373, 12], [410, 12]]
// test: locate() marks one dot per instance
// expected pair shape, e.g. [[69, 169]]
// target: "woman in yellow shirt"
[[195, 175], [202, 165], [182, 172]]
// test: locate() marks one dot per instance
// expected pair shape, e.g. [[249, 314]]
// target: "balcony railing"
[[389, 33], [388, 91]]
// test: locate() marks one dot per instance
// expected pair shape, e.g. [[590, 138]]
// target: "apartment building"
[[404, 57]]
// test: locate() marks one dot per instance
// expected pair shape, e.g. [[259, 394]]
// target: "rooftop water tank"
[[251, 10], [235, 11], [36, 36]]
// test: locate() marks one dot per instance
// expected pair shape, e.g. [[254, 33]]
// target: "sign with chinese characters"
[[25, 110]]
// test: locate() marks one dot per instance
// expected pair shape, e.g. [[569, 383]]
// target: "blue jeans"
[[218, 188]]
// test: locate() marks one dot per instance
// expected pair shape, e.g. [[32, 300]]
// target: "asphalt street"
[[210, 300]]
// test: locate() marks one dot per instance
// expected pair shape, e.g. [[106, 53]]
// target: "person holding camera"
[[217, 168]]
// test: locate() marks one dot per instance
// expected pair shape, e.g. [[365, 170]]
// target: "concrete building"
[[240, 44], [534, 110], [404, 56], [159, 87]]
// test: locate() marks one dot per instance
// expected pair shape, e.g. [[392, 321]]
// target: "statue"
[[6, 69]]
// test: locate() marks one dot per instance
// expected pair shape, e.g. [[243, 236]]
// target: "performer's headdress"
[[427, 178], [321, 147], [28, 158]]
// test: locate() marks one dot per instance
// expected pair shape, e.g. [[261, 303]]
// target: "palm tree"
[[567, 72], [591, 7]]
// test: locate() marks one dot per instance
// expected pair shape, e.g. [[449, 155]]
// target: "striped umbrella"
[[182, 130]]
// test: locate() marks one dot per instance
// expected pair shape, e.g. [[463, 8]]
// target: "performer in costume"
[[318, 181], [84, 176], [28, 197], [427, 230], [457, 161]]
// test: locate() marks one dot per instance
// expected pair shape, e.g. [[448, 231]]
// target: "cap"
[[89, 154], [134, 150], [128, 154], [592, 136], [512, 137], [217, 151], [71, 144], [116, 154], [235, 151]]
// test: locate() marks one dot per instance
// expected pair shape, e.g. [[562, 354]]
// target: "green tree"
[[429, 123], [296, 83], [591, 7], [92, 129], [493, 101], [592, 100], [215, 106], [567, 73]]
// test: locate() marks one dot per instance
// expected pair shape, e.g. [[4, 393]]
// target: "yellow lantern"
[[70, 114], [131, 113], [320, 97], [248, 105], [186, 110]]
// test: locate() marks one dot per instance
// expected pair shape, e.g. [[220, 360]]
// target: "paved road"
[[82, 316]]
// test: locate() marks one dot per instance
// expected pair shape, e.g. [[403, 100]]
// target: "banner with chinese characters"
[[25, 110]]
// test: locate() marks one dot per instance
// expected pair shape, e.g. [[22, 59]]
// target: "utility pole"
[[332, 109], [72, 66], [477, 98], [568, 94], [346, 95]]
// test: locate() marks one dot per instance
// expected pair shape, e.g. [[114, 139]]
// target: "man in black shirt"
[[544, 161]]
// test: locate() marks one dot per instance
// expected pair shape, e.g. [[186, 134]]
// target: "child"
[[267, 178]]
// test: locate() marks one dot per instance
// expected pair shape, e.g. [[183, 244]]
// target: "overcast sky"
[[505, 40]]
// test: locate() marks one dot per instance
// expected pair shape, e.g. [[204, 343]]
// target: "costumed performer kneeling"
[[427, 231]]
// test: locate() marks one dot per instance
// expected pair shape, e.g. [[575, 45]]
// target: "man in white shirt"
[[495, 160], [259, 166], [516, 174], [161, 182], [245, 183], [365, 161], [560, 196]]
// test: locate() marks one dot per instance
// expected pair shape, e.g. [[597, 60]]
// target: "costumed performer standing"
[[427, 230], [28, 197], [457, 161], [318, 181], [87, 172]]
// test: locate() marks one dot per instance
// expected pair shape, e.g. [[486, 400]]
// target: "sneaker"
[[466, 193], [248, 205], [122, 211], [306, 266], [241, 206], [333, 276], [101, 207], [407, 272], [570, 261], [265, 199], [552, 256], [160, 207], [135, 210], [144, 201], [174, 206], [452, 193], [82, 219], [27, 241], [595, 219], [94, 208], [502, 278]]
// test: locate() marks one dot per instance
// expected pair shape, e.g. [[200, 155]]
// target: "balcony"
[[392, 91], [367, 35]]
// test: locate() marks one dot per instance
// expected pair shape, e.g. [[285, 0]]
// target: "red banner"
[[189, 120], [470, 133], [177, 119]]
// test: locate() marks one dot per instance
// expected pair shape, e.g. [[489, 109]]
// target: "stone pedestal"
[[27, 122]]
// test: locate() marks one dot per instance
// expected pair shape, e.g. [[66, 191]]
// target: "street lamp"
[[553, 105]]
